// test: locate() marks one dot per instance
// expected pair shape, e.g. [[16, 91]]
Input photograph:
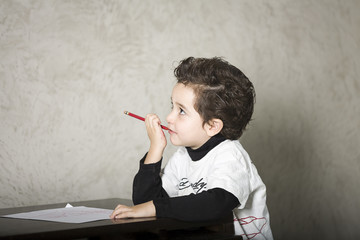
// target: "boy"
[[211, 174]]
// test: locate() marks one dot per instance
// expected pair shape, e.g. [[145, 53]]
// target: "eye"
[[182, 112]]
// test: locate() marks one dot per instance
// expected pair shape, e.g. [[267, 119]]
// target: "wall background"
[[68, 70]]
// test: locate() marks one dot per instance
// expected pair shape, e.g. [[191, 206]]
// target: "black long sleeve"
[[147, 184], [207, 205]]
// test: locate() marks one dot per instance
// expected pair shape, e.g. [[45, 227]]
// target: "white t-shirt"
[[226, 166]]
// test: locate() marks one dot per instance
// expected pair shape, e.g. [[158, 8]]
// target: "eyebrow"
[[180, 105]]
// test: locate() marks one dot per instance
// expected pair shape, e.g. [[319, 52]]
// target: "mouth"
[[171, 131]]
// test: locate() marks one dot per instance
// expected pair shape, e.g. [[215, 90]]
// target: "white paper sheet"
[[68, 214]]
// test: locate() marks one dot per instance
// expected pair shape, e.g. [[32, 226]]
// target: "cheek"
[[183, 129], [191, 130], [186, 126], [180, 126]]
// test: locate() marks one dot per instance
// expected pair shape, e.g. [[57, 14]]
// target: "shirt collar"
[[199, 153]]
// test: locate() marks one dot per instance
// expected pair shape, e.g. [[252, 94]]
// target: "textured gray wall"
[[68, 70]]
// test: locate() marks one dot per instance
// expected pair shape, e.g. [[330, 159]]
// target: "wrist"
[[146, 209], [154, 155]]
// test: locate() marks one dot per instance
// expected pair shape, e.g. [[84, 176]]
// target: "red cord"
[[245, 221]]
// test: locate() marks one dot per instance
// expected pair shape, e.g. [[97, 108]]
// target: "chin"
[[176, 142]]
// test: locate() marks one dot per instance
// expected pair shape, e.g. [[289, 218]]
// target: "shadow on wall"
[[283, 148]]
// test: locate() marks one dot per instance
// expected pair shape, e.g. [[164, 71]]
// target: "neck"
[[199, 153]]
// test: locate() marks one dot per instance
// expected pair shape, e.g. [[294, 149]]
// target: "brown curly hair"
[[222, 91]]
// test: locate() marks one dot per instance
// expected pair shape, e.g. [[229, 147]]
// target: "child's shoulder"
[[231, 149], [230, 146]]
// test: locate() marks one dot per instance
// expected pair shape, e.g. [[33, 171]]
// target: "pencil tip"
[[126, 112]]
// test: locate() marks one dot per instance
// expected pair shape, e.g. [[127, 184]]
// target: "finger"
[[112, 215], [119, 207], [152, 118], [124, 215], [120, 213], [118, 210], [149, 119], [156, 123], [153, 122]]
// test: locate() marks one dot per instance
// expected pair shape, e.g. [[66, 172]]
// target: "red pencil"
[[142, 119]]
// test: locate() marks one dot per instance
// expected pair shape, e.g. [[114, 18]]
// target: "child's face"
[[184, 121]]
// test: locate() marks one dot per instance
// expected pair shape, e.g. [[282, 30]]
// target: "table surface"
[[33, 229]]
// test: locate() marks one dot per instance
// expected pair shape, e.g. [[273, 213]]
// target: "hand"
[[157, 138], [142, 210]]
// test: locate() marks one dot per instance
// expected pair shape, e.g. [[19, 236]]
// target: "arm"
[[207, 205], [147, 183], [156, 137], [151, 185], [146, 186]]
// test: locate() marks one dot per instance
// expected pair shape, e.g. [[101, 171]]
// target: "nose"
[[170, 118]]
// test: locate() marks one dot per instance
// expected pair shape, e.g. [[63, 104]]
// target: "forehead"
[[183, 94]]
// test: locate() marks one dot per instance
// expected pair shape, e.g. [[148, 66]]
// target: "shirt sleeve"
[[147, 183], [232, 173], [205, 206]]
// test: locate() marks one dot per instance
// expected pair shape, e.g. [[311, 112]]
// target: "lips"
[[171, 131]]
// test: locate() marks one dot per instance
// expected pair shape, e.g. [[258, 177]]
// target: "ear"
[[214, 126]]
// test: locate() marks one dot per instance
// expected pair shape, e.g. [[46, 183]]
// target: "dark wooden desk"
[[141, 228]]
